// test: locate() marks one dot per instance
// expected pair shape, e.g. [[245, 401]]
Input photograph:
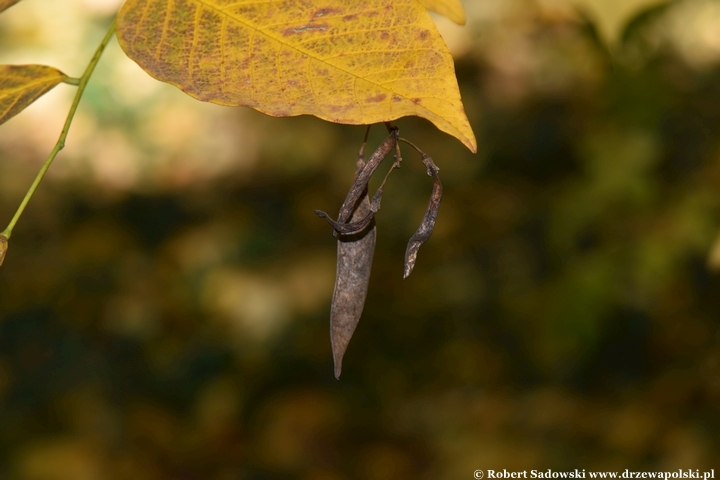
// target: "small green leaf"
[[5, 4], [20, 85]]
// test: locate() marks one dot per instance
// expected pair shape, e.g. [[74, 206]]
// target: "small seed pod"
[[428, 222]]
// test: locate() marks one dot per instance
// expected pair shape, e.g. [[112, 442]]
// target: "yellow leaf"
[[346, 61], [612, 16], [5, 4], [20, 85], [451, 9]]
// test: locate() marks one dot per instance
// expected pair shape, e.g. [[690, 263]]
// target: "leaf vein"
[[223, 65], [256, 29], [244, 4], [193, 46], [164, 29], [403, 50], [252, 64], [143, 16], [352, 32]]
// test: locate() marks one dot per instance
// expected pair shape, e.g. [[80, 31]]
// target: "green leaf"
[[21, 85]]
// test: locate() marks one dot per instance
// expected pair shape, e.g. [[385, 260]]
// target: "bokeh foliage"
[[164, 304]]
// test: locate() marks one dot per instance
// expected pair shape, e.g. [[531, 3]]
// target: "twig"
[[60, 144]]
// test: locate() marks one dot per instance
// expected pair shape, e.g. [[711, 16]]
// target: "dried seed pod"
[[354, 262], [355, 252], [428, 222]]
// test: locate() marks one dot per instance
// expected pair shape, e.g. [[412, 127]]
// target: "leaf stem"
[[60, 144]]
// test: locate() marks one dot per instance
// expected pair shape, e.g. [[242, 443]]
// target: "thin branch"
[[417, 149], [60, 144]]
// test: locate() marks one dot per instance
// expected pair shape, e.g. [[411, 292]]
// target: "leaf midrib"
[[34, 83], [306, 52]]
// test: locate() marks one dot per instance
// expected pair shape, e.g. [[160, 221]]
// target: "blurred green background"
[[164, 303]]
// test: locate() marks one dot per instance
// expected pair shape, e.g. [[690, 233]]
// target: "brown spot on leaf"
[[309, 27], [395, 98], [377, 98], [347, 18], [384, 35], [424, 34], [416, 100]]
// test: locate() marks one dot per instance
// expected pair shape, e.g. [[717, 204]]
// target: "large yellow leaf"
[[20, 85], [451, 9], [346, 61], [5, 4]]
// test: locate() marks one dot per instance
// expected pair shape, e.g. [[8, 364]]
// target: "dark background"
[[164, 303]]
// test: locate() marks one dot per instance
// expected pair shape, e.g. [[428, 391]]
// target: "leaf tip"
[[451, 9], [338, 370], [457, 16], [461, 129], [471, 142]]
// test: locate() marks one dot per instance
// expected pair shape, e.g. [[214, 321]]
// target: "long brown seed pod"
[[354, 262], [355, 253]]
